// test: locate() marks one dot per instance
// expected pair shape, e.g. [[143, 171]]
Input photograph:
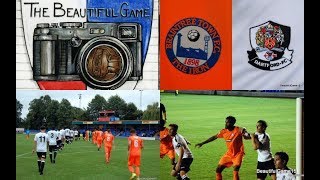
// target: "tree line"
[[52, 113]]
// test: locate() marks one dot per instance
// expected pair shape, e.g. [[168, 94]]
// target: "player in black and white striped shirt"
[[185, 157]]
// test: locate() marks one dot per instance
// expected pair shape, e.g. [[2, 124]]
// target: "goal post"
[[300, 138]]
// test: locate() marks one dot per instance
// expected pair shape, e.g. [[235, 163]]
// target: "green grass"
[[81, 160], [202, 116]]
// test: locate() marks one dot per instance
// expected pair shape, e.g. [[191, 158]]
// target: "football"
[[193, 35]]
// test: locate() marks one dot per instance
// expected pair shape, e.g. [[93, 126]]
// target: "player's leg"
[[55, 150], [66, 140], [185, 167], [175, 172], [43, 161], [62, 145], [273, 176], [261, 167], [50, 152], [59, 145], [106, 152], [224, 162], [183, 175], [130, 167], [219, 170], [137, 165], [99, 142], [236, 172], [272, 167], [109, 150], [39, 161], [237, 161]]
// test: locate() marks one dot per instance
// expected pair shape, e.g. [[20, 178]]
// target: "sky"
[[148, 97]]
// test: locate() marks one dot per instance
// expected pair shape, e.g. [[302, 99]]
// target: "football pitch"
[[82, 160], [202, 116]]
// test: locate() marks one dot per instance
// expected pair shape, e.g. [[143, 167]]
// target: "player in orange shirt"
[[233, 137], [87, 135], [98, 134], [166, 147], [135, 145], [108, 140], [94, 136]]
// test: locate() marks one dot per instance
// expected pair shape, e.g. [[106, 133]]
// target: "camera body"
[[103, 55]]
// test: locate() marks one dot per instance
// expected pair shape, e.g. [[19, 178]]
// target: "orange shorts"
[[99, 141], [168, 152], [227, 160], [107, 149], [134, 161]]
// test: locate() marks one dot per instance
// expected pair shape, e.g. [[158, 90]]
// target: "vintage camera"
[[103, 55]]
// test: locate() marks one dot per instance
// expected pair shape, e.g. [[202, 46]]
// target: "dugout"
[[144, 128]]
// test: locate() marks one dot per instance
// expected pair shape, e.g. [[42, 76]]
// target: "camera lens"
[[104, 63]]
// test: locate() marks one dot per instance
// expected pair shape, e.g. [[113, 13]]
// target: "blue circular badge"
[[193, 46]]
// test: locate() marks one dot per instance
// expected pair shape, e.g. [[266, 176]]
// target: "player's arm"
[[47, 139], [142, 144], [255, 142], [129, 143], [207, 141], [164, 115], [164, 112], [245, 133], [34, 146]]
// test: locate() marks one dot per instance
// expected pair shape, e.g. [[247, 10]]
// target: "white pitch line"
[[60, 154], [23, 154]]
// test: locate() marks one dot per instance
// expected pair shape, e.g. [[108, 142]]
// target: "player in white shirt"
[[180, 145], [63, 137], [67, 134], [71, 136], [52, 135], [283, 172], [40, 146], [76, 134], [261, 142], [59, 140]]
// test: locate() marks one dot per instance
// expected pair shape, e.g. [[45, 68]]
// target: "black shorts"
[[42, 154], [52, 148], [185, 164], [59, 142], [264, 168]]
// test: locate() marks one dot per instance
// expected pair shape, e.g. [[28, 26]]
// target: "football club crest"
[[193, 46], [270, 42]]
